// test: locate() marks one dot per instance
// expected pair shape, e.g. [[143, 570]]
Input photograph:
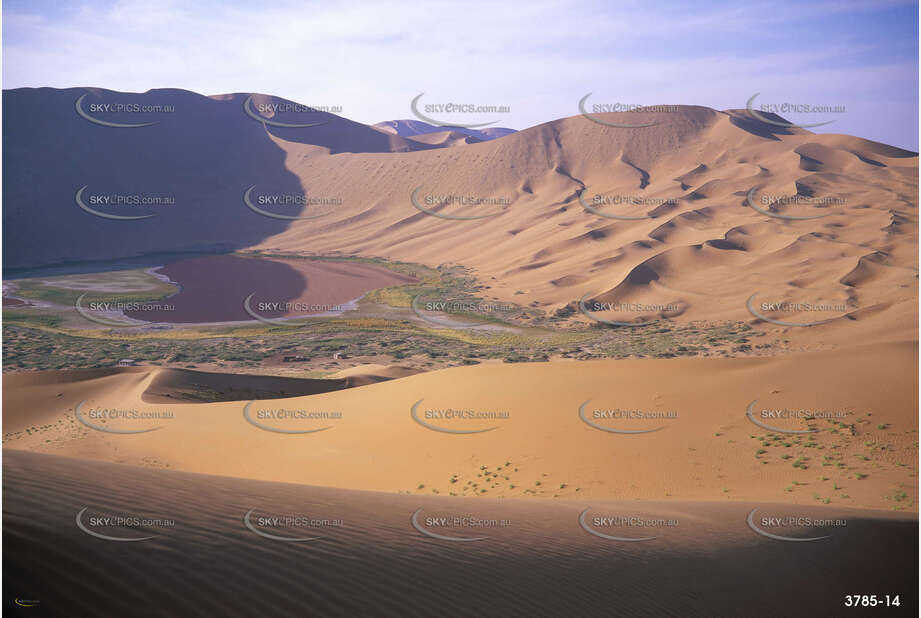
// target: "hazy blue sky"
[[539, 58]]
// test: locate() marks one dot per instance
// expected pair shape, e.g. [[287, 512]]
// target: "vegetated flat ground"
[[384, 329], [378, 341]]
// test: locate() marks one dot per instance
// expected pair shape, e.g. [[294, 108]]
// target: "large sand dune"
[[695, 243], [203, 154], [703, 447], [206, 562], [704, 215], [701, 246]]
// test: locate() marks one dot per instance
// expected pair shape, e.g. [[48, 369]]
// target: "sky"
[[535, 58]]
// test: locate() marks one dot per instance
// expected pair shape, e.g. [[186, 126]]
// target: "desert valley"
[[284, 363]]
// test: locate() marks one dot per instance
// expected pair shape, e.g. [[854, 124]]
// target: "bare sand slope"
[[374, 370], [537, 560], [27, 395], [201, 152], [695, 248], [832, 220], [30, 399], [551, 430]]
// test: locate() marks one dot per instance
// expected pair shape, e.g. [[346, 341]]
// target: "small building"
[[127, 362]]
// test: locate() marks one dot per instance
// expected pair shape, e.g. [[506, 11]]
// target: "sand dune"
[[203, 153], [184, 385], [29, 394], [373, 369], [30, 399], [710, 194], [201, 560], [548, 429], [703, 216], [702, 246]]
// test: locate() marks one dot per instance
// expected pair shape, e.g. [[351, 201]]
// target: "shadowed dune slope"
[[540, 563], [184, 385], [203, 153], [27, 395]]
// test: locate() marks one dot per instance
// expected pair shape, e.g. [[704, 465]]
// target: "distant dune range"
[[419, 131], [700, 248], [863, 453]]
